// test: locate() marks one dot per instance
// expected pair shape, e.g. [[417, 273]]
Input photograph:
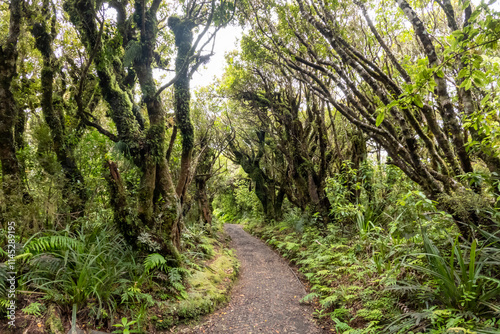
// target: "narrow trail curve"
[[266, 297]]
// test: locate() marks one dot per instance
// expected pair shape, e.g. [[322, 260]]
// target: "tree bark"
[[182, 29], [53, 112], [11, 175]]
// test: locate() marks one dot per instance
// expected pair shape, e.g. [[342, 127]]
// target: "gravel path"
[[266, 297]]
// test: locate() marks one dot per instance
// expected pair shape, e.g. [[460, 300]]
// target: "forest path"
[[266, 297]]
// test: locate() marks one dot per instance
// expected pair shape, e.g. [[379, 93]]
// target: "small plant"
[[34, 309], [125, 327], [341, 314], [91, 264], [461, 282], [174, 276], [340, 326]]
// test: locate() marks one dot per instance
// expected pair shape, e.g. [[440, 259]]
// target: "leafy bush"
[[92, 264], [460, 280]]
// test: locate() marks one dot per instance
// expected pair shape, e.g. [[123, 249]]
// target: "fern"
[[341, 326], [323, 272], [309, 297], [132, 51], [52, 243], [309, 276], [34, 309], [207, 249], [91, 264], [4, 303], [3, 280], [155, 261], [174, 275], [178, 286], [329, 301]]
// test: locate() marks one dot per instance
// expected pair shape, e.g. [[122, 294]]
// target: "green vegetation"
[[396, 268], [96, 270], [358, 138]]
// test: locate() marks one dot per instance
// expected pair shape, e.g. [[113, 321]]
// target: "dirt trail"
[[266, 296]]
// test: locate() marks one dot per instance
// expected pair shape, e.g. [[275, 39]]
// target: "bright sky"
[[227, 40]]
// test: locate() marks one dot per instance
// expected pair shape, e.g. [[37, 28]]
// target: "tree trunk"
[[11, 176], [203, 203], [182, 29], [74, 183], [123, 220]]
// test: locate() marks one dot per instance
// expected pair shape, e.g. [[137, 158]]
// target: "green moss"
[[209, 289], [53, 323], [162, 323]]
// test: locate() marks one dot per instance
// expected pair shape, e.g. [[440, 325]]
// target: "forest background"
[[359, 138]]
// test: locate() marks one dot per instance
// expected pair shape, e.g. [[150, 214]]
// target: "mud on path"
[[266, 297]]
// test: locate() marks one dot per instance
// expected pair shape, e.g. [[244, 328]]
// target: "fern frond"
[[52, 243], [155, 261], [329, 301], [309, 297]]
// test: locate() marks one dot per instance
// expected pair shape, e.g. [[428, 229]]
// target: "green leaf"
[[485, 99], [479, 77], [380, 118], [153, 261], [467, 83], [418, 101], [463, 72]]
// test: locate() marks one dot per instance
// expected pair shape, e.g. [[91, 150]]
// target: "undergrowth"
[[380, 283], [94, 269]]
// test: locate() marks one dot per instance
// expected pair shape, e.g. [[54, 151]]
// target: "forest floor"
[[266, 297]]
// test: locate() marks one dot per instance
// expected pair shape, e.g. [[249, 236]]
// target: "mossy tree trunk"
[[182, 29], [159, 212], [299, 138], [11, 174], [202, 175], [54, 113], [358, 155], [265, 188]]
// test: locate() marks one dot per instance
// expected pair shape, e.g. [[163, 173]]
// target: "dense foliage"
[[106, 163], [359, 138], [366, 130]]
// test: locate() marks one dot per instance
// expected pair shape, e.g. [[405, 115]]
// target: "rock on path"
[[266, 297]]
